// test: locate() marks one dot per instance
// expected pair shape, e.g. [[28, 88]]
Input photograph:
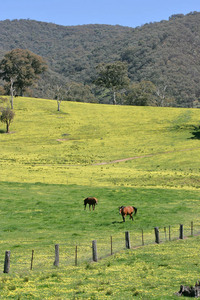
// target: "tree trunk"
[[7, 127], [12, 92], [114, 98]]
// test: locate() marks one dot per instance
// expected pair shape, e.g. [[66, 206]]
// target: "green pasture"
[[38, 216], [52, 160]]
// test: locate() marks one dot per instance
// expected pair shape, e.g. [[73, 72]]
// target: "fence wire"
[[79, 253]]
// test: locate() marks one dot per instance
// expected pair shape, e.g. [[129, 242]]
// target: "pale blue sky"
[[78, 12]]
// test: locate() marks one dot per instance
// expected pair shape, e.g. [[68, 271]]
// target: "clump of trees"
[[21, 68], [114, 77]]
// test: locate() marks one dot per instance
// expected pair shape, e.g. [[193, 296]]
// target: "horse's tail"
[[135, 209]]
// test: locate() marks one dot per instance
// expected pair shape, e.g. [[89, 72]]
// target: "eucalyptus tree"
[[20, 69], [113, 76]]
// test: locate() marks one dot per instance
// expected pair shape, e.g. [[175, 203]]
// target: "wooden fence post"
[[181, 232], [94, 250], [127, 238], [7, 262], [56, 262], [165, 233], [76, 255], [192, 233], [142, 238], [157, 235], [32, 259]]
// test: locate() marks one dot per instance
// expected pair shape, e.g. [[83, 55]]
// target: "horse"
[[91, 201], [127, 210]]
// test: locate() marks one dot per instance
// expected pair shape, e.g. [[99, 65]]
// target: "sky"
[[130, 13]]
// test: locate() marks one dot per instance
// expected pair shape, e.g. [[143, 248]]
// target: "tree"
[[59, 96], [74, 91], [79, 92], [7, 115], [141, 94], [161, 95], [163, 99], [20, 69], [113, 76]]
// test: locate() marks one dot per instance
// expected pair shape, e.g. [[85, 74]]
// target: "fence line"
[[79, 254]]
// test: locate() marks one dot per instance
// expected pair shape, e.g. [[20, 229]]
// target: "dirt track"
[[142, 156]]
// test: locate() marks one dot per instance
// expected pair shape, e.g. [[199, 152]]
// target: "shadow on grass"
[[196, 133], [117, 222], [2, 131]]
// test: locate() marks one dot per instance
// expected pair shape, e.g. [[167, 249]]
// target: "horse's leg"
[[93, 206], [131, 217], [123, 218], [90, 206]]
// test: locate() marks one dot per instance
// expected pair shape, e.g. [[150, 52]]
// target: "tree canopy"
[[141, 94], [113, 76], [20, 69]]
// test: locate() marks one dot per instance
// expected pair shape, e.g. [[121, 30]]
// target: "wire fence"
[[67, 254]]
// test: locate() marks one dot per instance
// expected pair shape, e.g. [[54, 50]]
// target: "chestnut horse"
[[91, 201], [127, 210]]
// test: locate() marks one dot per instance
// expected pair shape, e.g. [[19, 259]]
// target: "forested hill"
[[166, 53]]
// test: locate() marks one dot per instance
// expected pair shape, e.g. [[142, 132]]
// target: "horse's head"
[[121, 209]]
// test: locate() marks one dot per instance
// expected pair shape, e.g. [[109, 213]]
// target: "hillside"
[[74, 147], [166, 52]]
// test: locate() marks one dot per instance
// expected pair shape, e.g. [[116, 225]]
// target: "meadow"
[[143, 156]]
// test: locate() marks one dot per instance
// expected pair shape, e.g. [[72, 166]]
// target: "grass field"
[[52, 160]]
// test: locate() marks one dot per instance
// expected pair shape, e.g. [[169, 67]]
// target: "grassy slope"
[[47, 170], [51, 147]]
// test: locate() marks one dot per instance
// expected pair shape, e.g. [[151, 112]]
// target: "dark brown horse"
[[127, 210], [91, 201]]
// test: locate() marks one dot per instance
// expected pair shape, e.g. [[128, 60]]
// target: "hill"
[[166, 52]]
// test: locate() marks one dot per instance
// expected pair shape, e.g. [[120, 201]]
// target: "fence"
[[65, 254]]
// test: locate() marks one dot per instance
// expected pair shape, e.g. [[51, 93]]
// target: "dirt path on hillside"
[[143, 156]]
